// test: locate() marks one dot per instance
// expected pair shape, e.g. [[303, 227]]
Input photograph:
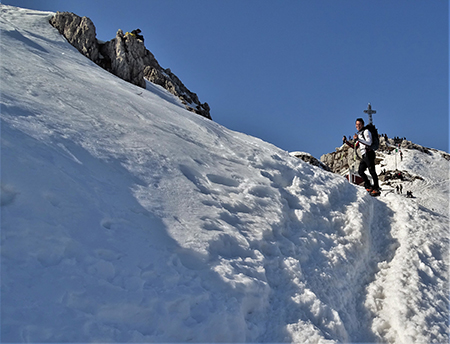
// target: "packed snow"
[[126, 218]]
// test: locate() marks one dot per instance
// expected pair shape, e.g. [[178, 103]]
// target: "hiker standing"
[[364, 139]]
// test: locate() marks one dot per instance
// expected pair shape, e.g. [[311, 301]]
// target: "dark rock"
[[124, 58], [344, 156], [310, 160], [80, 32]]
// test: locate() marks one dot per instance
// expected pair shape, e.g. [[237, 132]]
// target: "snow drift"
[[126, 218]]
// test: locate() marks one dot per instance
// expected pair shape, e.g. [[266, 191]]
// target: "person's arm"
[[348, 143]]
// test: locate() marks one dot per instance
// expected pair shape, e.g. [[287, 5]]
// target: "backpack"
[[375, 139]]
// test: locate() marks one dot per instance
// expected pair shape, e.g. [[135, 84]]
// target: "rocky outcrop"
[[344, 156], [123, 56], [392, 176], [339, 160], [168, 80], [80, 32], [409, 145], [309, 159], [126, 57], [405, 144]]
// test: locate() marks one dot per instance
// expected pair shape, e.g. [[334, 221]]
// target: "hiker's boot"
[[375, 192]]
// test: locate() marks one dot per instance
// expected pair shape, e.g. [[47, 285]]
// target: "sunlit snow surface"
[[125, 218]]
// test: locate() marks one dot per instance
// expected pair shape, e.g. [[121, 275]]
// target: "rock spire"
[[126, 57]]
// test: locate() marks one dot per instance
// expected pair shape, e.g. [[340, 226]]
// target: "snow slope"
[[126, 218]]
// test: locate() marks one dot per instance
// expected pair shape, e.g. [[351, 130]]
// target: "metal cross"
[[369, 111]]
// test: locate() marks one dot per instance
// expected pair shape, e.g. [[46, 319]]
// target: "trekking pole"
[[396, 158], [353, 166]]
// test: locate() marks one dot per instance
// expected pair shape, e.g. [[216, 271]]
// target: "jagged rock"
[[344, 156], [165, 78], [341, 159], [80, 32], [386, 176], [310, 160], [446, 156], [409, 145], [123, 56], [126, 57]]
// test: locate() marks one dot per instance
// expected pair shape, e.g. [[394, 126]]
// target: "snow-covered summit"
[[126, 218], [402, 166]]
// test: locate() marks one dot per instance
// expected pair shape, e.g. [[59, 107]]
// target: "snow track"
[[409, 281]]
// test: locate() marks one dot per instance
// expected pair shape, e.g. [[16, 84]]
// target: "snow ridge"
[[126, 218]]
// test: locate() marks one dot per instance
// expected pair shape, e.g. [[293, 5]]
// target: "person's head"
[[359, 124]]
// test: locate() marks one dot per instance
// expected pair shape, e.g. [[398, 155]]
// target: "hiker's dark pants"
[[368, 161]]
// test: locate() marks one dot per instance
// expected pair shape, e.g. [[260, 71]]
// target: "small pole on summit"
[[369, 111]]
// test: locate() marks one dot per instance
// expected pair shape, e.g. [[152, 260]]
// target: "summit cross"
[[369, 111]]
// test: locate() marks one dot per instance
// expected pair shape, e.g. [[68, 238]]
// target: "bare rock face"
[[168, 80], [80, 32], [122, 56], [341, 159], [126, 57], [344, 157], [310, 160]]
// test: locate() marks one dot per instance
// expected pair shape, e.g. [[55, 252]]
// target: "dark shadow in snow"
[[382, 249], [8, 195], [16, 35], [14, 111], [83, 259], [162, 93], [196, 178], [431, 211]]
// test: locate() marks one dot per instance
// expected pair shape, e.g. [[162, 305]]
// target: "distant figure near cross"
[[369, 111]]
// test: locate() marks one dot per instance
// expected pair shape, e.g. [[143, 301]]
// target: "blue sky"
[[297, 73]]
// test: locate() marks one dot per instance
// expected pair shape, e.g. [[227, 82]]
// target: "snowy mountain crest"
[[344, 156], [396, 172], [126, 57]]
